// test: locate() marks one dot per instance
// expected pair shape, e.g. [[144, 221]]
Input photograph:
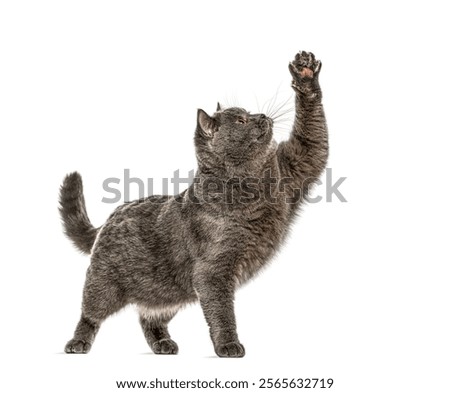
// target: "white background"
[[360, 292]]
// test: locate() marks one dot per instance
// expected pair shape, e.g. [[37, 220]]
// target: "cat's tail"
[[77, 225]]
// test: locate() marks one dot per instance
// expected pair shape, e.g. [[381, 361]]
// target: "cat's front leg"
[[303, 156], [215, 290]]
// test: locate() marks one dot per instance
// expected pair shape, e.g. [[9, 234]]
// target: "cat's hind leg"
[[101, 298], [154, 325], [83, 337]]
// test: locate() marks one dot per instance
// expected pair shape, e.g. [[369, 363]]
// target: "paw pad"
[[304, 66]]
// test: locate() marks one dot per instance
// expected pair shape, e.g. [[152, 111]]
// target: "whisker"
[[235, 100], [273, 101], [280, 107], [280, 115], [257, 103], [283, 127], [283, 132]]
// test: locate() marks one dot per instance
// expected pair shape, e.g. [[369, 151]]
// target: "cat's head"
[[232, 137]]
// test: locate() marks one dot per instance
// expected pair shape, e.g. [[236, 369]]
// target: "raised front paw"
[[230, 350], [304, 69]]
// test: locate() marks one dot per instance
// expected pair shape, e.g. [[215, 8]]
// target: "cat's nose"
[[263, 119]]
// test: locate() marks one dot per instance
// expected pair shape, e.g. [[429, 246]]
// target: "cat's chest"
[[247, 237], [261, 233], [263, 221]]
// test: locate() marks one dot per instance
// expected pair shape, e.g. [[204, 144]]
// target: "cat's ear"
[[219, 108], [205, 123]]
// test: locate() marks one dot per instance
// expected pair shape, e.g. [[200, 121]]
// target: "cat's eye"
[[241, 120]]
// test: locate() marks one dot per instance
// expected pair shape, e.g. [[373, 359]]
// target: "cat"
[[163, 252]]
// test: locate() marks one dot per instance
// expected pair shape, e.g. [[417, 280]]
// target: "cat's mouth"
[[261, 136]]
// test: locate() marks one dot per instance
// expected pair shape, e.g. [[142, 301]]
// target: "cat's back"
[[139, 230]]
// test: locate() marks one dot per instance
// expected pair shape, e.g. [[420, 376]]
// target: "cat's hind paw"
[[77, 346], [166, 346]]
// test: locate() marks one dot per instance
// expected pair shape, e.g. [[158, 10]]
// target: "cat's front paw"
[[230, 350], [77, 346], [166, 346], [304, 69]]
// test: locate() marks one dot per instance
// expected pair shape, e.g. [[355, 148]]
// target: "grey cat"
[[163, 252]]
